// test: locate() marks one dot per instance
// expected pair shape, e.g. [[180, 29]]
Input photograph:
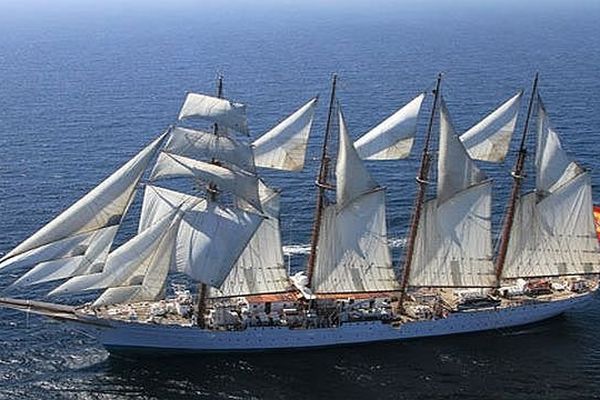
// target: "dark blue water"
[[85, 86]]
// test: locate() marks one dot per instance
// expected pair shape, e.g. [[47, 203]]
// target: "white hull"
[[115, 335]]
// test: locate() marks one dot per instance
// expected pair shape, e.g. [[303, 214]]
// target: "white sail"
[[393, 138], [159, 202], [553, 165], [206, 146], [84, 258], [239, 182], [101, 208], [210, 241], [553, 231], [453, 246], [456, 170], [223, 112], [353, 255], [260, 268], [153, 273], [284, 146], [353, 179], [555, 236], [147, 253], [489, 139]]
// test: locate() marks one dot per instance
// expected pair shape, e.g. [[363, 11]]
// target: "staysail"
[[138, 269], [284, 146], [453, 243], [78, 240], [553, 232], [353, 255], [393, 138], [489, 139]]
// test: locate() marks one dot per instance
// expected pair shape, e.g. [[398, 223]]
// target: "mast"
[[322, 186], [518, 176], [212, 195], [419, 200]]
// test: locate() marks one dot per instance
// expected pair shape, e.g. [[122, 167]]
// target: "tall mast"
[[518, 176], [322, 186], [212, 195], [419, 200]]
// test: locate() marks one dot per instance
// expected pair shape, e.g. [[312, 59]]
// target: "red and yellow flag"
[[597, 220]]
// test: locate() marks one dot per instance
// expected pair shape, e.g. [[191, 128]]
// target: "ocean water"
[[83, 86]]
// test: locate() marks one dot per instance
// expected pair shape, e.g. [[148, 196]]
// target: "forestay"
[[223, 112], [393, 138], [489, 139], [239, 182], [353, 255], [203, 145], [453, 247], [78, 240], [284, 146]]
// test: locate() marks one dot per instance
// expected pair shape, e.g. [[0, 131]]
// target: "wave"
[[304, 248]]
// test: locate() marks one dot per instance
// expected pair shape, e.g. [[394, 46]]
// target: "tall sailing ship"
[[222, 240]]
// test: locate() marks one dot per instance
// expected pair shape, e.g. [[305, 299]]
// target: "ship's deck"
[[171, 312]]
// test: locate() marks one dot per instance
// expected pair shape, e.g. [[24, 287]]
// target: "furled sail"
[[206, 146], [78, 240], [260, 268], [453, 247], [242, 183], [211, 241], [353, 255], [393, 138], [284, 146], [553, 231], [221, 111], [489, 139], [138, 268]]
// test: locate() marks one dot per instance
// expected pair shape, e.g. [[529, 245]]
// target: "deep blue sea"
[[84, 85]]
